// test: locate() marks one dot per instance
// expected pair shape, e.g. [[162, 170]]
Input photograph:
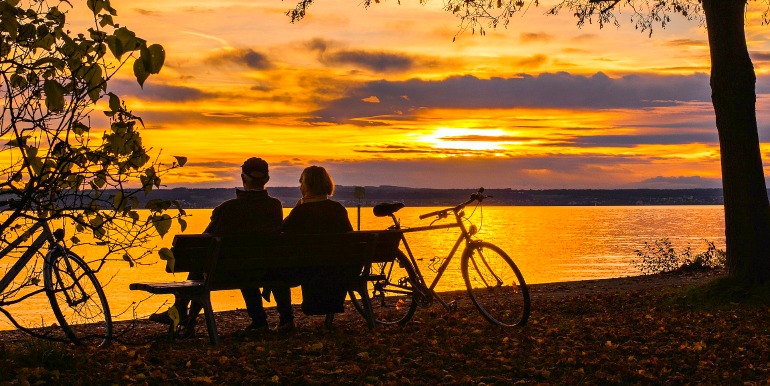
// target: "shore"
[[600, 331]]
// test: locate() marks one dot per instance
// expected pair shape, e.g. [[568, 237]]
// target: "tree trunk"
[[747, 211]]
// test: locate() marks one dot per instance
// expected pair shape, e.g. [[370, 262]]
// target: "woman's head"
[[315, 181]]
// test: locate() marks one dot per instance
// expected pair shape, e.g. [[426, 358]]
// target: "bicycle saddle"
[[387, 208]]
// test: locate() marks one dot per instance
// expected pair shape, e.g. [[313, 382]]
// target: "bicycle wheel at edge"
[[391, 291], [77, 299], [495, 284]]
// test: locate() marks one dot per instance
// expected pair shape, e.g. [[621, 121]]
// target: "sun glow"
[[467, 139]]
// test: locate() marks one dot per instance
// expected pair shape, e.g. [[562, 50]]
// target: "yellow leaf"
[[173, 313]]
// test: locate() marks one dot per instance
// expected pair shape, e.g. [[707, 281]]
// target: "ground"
[[639, 330]]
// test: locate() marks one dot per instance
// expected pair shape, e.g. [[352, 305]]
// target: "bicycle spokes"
[[495, 285]]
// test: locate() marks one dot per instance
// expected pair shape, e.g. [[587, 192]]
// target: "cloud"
[[687, 43], [146, 12], [535, 37], [374, 61], [548, 90], [760, 56], [157, 92], [377, 61], [676, 138], [246, 57]]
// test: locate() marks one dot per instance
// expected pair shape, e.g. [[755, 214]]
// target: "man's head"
[[254, 173]]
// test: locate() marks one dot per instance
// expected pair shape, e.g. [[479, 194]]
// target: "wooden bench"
[[236, 262]]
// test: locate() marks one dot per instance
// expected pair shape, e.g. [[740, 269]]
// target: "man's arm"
[[216, 219]]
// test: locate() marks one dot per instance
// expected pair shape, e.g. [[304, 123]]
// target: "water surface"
[[549, 244]]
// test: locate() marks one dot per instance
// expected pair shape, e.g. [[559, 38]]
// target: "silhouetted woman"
[[315, 212], [323, 292]]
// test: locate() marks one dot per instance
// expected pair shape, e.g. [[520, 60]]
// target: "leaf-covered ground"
[[627, 331]]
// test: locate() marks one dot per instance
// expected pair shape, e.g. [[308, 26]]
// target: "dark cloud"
[[374, 61], [157, 92], [760, 56], [548, 90], [245, 57], [535, 37], [687, 43], [378, 61], [146, 12], [676, 138], [691, 182]]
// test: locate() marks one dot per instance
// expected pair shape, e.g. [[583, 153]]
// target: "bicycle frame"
[[11, 274], [428, 291]]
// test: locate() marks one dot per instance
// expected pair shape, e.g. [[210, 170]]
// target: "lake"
[[549, 244]]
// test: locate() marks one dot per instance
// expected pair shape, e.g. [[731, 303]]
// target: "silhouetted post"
[[359, 193]]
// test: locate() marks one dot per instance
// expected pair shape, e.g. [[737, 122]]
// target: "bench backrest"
[[233, 261]]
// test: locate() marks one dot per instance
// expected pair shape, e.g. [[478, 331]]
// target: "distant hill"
[[209, 198]]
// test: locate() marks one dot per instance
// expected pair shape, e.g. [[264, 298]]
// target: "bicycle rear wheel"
[[495, 284], [390, 286], [77, 299]]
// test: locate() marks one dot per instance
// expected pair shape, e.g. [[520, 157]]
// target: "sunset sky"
[[383, 96]]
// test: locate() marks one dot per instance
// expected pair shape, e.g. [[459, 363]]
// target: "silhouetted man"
[[253, 211]]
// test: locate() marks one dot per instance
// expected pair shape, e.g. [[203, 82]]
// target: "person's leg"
[[253, 299], [180, 302], [282, 297]]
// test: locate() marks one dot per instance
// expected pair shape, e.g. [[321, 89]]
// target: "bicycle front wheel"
[[77, 299], [390, 286], [495, 284]]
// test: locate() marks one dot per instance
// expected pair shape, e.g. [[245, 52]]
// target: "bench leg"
[[367, 304], [211, 324]]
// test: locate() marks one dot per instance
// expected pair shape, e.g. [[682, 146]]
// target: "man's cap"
[[255, 167]]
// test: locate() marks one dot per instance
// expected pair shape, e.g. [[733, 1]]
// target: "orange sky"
[[383, 96]]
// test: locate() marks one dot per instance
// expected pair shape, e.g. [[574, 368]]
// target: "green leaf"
[[18, 81], [157, 205], [74, 240], [153, 58], [115, 46], [114, 102], [118, 202], [79, 128], [127, 38], [182, 223], [181, 160], [54, 95], [95, 5], [106, 20], [162, 224], [140, 72], [166, 254], [11, 26], [173, 313], [5, 49]]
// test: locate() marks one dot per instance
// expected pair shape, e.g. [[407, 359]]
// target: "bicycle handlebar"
[[478, 196]]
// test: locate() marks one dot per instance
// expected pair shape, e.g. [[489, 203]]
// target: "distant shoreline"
[[211, 197]]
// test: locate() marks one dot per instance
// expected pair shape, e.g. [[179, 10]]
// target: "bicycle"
[[494, 283], [77, 299]]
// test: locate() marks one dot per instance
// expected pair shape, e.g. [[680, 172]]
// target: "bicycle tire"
[[495, 284], [391, 291], [77, 299]]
